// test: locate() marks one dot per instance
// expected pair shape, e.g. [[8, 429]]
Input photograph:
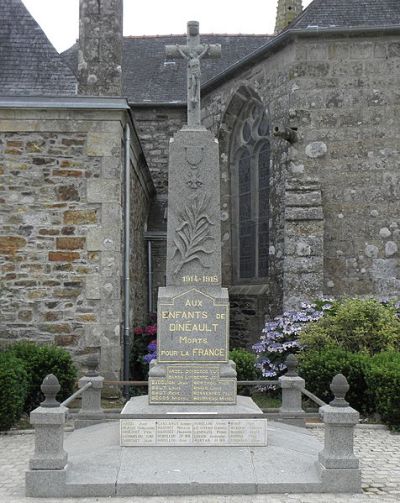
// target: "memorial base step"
[[99, 466], [242, 424]]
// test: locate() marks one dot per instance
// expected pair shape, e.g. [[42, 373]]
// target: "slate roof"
[[349, 14], [149, 78], [29, 64]]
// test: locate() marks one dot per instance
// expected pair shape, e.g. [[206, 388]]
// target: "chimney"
[[100, 47], [286, 11]]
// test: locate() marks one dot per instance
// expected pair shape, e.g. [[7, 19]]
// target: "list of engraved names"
[[193, 432], [192, 383]]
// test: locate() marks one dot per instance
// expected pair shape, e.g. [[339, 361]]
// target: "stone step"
[[98, 466]]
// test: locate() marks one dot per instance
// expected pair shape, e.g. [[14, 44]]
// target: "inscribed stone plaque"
[[193, 325], [192, 383], [193, 432]]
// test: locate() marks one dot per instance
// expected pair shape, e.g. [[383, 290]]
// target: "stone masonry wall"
[[141, 191], [61, 223], [335, 223], [268, 81], [346, 101], [155, 128], [337, 229]]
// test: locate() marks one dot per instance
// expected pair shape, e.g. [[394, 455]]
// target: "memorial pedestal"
[[192, 363], [148, 425]]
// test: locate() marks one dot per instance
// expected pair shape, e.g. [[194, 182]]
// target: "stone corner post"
[[47, 465], [91, 397], [338, 465], [291, 384]]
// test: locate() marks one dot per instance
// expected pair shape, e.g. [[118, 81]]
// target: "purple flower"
[[269, 373], [275, 348], [281, 336], [149, 357], [270, 325], [152, 346], [258, 347], [274, 335]]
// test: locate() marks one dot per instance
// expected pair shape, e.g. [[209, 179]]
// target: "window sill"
[[260, 289]]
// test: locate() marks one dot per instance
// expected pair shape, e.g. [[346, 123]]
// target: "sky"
[[59, 18]]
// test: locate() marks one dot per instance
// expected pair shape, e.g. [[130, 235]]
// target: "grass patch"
[[23, 423], [266, 401]]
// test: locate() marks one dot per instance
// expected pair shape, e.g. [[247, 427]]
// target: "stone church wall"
[[155, 127], [335, 219], [61, 232], [334, 226], [269, 82], [347, 103], [141, 196]]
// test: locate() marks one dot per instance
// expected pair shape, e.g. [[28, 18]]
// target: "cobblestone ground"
[[378, 450]]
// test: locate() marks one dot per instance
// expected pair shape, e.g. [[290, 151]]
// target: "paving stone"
[[380, 475]]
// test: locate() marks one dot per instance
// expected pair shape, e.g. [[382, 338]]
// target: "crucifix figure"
[[192, 52]]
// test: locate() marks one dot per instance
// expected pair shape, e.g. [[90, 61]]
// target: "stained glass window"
[[246, 132], [251, 149], [263, 208], [246, 224]]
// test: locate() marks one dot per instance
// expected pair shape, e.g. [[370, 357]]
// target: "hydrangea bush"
[[281, 336]]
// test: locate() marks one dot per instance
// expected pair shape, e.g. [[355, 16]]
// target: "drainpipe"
[[127, 253], [150, 277]]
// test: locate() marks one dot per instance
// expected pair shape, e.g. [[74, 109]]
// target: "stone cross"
[[193, 52]]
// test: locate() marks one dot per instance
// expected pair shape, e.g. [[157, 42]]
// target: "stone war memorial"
[[192, 434], [192, 367]]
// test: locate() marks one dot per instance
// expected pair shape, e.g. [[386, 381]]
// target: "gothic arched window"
[[250, 165]]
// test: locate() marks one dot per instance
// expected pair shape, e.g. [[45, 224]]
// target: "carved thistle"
[[193, 232], [194, 182]]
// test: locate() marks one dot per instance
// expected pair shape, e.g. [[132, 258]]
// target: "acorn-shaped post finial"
[[50, 387], [291, 364], [339, 388], [92, 363]]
